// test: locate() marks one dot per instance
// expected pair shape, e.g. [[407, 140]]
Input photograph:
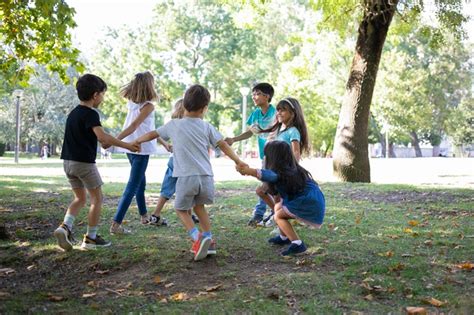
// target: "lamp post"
[[385, 129], [18, 94], [244, 91]]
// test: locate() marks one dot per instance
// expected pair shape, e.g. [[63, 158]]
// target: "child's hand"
[[168, 147], [242, 168], [105, 146], [134, 146], [229, 141]]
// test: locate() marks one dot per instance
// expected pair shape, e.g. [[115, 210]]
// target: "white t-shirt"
[[146, 126]]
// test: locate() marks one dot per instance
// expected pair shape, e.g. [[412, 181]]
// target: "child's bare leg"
[[203, 216], [159, 206], [78, 202], [261, 191], [96, 206], [185, 217], [281, 219]]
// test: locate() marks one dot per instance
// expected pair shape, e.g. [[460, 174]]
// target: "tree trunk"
[[415, 143], [351, 158]]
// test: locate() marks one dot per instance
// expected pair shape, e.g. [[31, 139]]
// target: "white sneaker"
[[119, 230], [270, 222]]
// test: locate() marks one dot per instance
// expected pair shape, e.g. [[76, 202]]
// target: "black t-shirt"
[[80, 141]]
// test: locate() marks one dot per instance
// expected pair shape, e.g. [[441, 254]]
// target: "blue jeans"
[[135, 187], [260, 208], [168, 186]]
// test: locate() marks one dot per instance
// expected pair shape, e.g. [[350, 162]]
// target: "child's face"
[[259, 98], [284, 115], [98, 98]]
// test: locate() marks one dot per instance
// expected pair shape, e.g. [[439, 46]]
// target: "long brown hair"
[[141, 89], [293, 106]]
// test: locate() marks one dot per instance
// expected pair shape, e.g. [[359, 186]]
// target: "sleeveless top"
[[146, 126]]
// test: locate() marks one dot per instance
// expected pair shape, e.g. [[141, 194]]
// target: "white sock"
[[69, 220], [283, 237], [297, 242]]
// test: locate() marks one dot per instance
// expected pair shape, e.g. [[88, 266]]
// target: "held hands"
[[134, 146], [242, 168], [168, 147], [105, 146], [229, 141]]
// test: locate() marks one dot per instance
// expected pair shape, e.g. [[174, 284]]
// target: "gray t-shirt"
[[191, 138]]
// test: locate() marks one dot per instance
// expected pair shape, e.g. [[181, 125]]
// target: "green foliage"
[[44, 106], [35, 31]]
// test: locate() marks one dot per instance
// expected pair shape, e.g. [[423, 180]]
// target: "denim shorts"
[[168, 186], [81, 174], [194, 191]]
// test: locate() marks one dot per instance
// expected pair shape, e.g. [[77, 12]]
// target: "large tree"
[[35, 31], [351, 159]]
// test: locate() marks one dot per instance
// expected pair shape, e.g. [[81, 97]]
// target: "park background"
[[403, 240]]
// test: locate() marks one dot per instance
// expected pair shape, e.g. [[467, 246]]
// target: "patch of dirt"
[[398, 197]]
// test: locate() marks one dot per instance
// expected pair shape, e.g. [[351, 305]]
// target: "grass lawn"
[[381, 249]]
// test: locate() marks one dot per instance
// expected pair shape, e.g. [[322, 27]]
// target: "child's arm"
[[246, 170], [295, 147], [240, 137], [224, 146], [107, 140], [147, 137], [144, 112], [167, 146]]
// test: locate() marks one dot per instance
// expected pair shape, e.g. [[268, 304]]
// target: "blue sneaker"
[[277, 240], [294, 249]]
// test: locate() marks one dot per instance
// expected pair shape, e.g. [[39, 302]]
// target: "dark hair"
[[88, 84], [280, 159], [196, 98], [141, 89], [292, 105], [266, 88]]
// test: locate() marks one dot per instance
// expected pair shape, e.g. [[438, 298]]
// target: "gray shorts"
[[194, 190], [82, 174]]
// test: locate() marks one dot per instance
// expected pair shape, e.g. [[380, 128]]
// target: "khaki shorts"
[[82, 174], [194, 190]]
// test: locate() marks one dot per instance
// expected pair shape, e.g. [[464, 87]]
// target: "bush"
[[2, 148]]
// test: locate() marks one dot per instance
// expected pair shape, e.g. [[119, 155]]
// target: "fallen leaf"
[[397, 267], [369, 297], [386, 254], [4, 294], [164, 300], [358, 219], [169, 285], [466, 266], [102, 272], [88, 295], [413, 223], [393, 237], [433, 302], [31, 267], [6, 271], [428, 243], [181, 296], [55, 298], [157, 279], [213, 288], [413, 310]]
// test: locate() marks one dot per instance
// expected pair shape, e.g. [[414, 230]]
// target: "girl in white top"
[[140, 93]]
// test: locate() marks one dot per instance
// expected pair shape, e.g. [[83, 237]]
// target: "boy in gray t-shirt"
[[191, 137]]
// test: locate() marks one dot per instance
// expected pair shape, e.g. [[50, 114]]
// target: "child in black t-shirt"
[[83, 130]]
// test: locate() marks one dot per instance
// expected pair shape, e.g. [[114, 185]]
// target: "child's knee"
[[260, 191]]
